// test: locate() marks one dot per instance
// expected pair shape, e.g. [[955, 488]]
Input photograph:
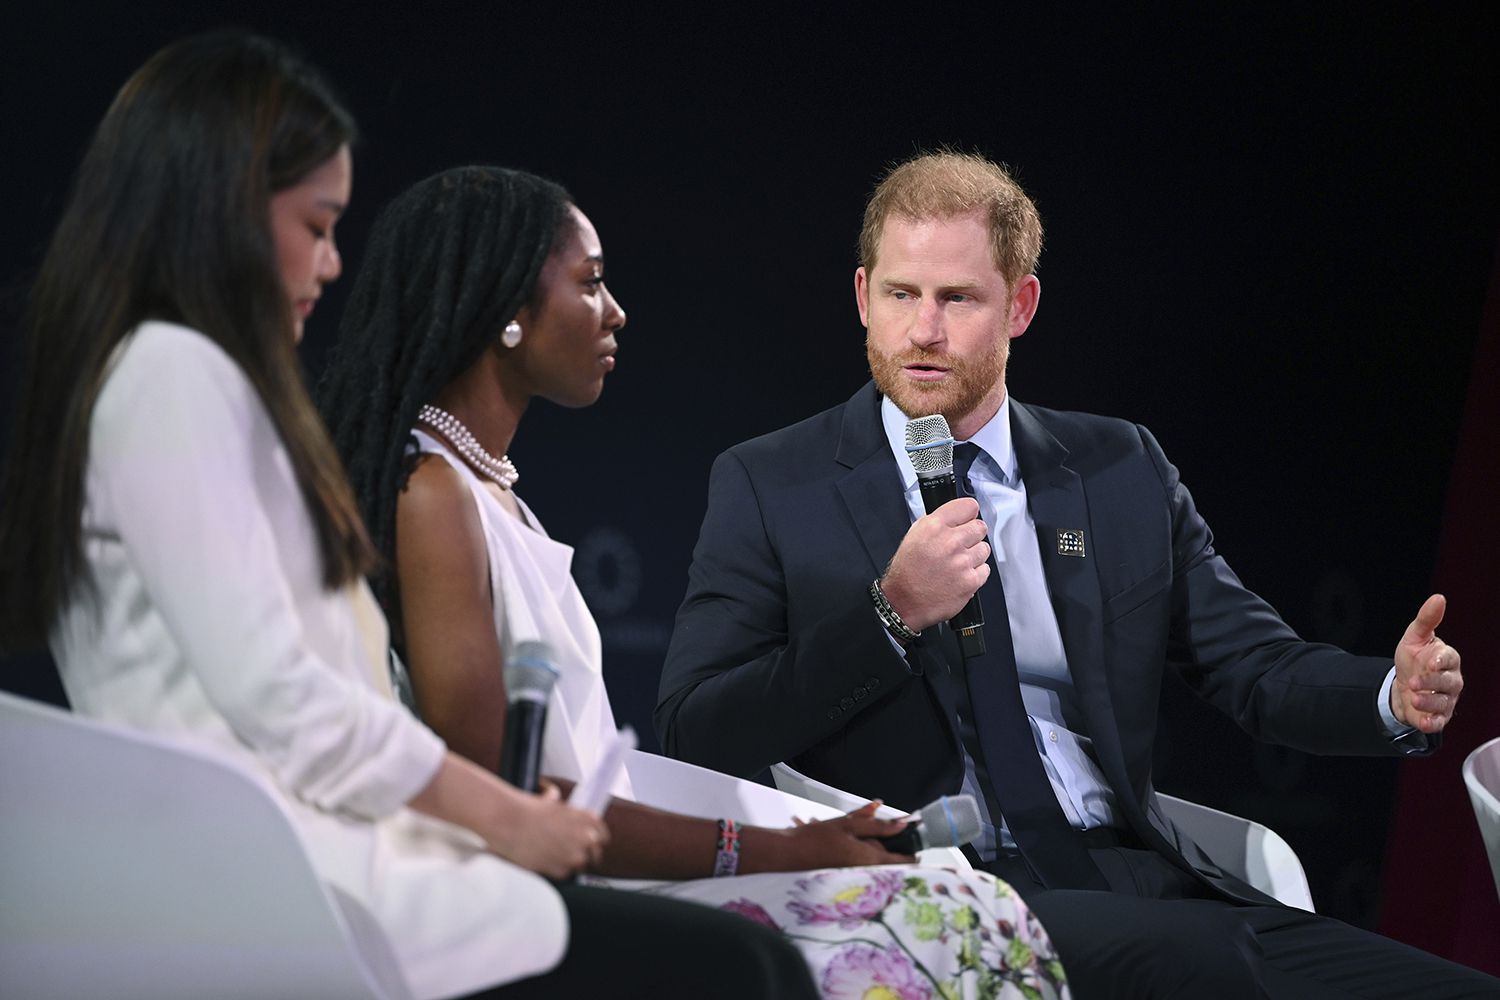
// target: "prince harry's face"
[[940, 318]]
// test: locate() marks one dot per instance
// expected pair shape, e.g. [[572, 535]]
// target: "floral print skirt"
[[897, 932]]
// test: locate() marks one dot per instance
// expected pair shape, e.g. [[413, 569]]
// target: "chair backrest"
[[1482, 778], [794, 782], [134, 866]]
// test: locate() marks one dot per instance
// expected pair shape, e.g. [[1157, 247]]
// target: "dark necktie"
[[1032, 814]]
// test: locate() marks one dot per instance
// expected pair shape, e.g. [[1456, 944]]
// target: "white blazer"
[[204, 616]]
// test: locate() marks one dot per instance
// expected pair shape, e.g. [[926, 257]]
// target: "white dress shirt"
[[1041, 664]]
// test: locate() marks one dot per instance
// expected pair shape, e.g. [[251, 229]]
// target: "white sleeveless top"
[[535, 599]]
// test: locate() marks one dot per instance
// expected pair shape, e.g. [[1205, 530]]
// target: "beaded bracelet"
[[888, 616], [727, 861]]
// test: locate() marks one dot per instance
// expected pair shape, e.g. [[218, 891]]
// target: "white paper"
[[593, 792]]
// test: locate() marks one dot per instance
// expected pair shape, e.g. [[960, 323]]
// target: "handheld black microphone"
[[929, 444], [951, 821], [529, 677]]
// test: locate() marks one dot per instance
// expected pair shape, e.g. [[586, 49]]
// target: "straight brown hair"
[[169, 218]]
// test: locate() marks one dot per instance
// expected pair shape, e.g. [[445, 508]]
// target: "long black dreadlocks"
[[448, 264]]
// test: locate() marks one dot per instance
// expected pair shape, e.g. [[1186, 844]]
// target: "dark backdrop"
[[1268, 237]]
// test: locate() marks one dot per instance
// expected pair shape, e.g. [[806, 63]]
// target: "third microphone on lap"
[[951, 821]]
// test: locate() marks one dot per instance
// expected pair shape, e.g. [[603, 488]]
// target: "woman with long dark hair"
[[176, 523], [483, 288]]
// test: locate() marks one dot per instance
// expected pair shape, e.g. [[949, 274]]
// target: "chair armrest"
[[680, 787], [1481, 772], [1243, 848], [685, 788]]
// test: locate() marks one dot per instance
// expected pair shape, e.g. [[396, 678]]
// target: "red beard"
[[969, 382]]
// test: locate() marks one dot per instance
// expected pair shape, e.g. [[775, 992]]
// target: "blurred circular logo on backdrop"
[[607, 566]]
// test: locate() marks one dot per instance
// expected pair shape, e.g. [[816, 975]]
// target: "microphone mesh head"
[[951, 821], [929, 444], [529, 673]]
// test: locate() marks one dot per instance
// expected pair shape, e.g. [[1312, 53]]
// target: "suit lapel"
[[871, 493], [1057, 501], [871, 489]]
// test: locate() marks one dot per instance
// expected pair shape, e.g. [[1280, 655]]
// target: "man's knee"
[[1114, 945]]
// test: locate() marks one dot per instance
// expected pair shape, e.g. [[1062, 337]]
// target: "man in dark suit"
[[815, 628]]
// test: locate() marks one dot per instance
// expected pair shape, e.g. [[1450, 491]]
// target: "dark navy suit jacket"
[[778, 655]]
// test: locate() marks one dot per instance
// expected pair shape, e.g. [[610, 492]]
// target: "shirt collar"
[[993, 439]]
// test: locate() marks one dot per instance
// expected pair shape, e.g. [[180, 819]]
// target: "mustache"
[[919, 356]]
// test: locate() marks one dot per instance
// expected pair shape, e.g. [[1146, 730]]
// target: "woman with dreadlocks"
[[175, 521], [481, 289]]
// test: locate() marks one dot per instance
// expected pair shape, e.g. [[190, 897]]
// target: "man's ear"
[[862, 295], [1023, 303]]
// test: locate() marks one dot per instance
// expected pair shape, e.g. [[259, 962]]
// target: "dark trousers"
[[629, 944], [1161, 933]]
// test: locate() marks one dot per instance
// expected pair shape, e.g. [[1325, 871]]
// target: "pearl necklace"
[[502, 470]]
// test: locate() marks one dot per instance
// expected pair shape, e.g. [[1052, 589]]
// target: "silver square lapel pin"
[[1070, 542]]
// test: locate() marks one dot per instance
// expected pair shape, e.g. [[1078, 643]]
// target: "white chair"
[[133, 866], [1248, 850], [1242, 847], [1482, 777]]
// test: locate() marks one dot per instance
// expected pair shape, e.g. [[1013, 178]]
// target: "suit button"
[[835, 712], [859, 694]]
